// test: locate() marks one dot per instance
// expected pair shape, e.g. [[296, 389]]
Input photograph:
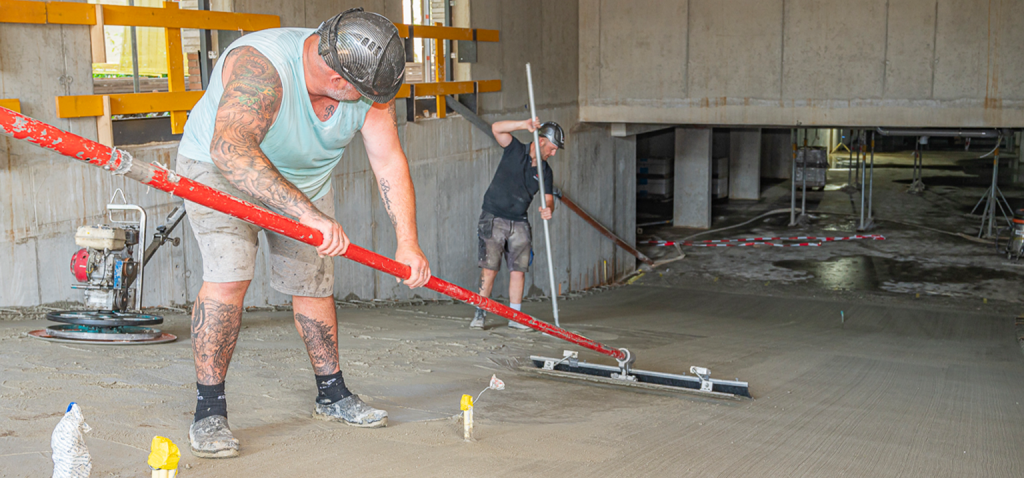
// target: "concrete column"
[[776, 153], [745, 163], [692, 196]]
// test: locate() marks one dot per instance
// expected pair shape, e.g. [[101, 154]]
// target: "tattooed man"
[[281, 107]]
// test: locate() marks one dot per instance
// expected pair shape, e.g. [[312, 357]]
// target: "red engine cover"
[[80, 264]]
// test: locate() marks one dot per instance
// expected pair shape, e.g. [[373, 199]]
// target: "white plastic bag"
[[70, 456]]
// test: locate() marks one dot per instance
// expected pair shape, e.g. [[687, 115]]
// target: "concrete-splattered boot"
[[518, 326], [478, 319], [211, 438], [352, 411]]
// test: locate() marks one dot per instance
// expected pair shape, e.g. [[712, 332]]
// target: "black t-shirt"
[[515, 183]]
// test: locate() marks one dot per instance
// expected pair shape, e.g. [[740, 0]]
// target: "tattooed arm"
[[248, 107], [390, 166]]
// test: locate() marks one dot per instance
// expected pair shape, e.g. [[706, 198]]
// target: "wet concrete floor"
[[930, 247], [867, 273]]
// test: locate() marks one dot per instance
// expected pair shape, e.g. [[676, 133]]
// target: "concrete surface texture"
[[903, 388], [451, 164], [809, 62]]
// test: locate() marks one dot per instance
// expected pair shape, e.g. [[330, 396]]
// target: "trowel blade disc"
[[163, 338], [104, 318]]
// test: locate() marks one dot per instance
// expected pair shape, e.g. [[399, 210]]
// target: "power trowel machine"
[[1014, 249], [110, 273]]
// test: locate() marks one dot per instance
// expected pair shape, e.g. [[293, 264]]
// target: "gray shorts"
[[229, 245], [502, 237]]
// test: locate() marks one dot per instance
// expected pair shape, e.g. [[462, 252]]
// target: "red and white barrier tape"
[[764, 241], [737, 244]]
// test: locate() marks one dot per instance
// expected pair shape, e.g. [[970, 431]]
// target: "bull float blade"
[[642, 379]]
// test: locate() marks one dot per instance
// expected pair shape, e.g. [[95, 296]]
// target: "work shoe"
[[211, 438], [478, 319], [518, 326], [352, 411]]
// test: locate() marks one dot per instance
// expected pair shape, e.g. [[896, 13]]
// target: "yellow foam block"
[[164, 454]]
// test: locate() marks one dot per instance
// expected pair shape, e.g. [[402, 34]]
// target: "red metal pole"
[[120, 162]]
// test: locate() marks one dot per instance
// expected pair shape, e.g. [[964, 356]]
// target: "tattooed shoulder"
[[253, 85]]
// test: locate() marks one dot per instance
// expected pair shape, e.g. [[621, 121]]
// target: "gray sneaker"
[[211, 438], [478, 319], [352, 411], [518, 326]]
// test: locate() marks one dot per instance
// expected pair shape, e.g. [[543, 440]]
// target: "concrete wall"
[[809, 62], [44, 198]]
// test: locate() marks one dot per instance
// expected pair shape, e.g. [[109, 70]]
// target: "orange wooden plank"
[[487, 35], [446, 88], [164, 18], [136, 103], [18, 11], [442, 33], [403, 29], [67, 13], [126, 104], [80, 106], [11, 104], [445, 33], [488, 86], [442, 107]]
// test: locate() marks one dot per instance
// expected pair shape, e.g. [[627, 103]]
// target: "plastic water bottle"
[[70, 456]]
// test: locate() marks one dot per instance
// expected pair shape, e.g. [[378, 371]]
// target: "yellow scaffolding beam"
[[81, 106], [66, 13], [175, 69], [11, 104]]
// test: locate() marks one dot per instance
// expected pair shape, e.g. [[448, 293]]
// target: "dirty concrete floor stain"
[[864, 272]]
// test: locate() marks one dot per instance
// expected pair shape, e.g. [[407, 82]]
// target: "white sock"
[[516, 307]]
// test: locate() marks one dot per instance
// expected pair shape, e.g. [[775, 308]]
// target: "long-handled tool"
[[121, 163], [543, 197]]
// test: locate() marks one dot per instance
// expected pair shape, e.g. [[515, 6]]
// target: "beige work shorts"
[[229, 245]]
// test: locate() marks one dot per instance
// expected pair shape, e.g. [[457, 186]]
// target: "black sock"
[[210, 401], [330, 388]]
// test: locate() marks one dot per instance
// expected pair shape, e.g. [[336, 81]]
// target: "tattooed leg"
[[216, 319], [317, 323]]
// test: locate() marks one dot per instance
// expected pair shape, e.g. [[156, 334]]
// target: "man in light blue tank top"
[[281, 107]]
